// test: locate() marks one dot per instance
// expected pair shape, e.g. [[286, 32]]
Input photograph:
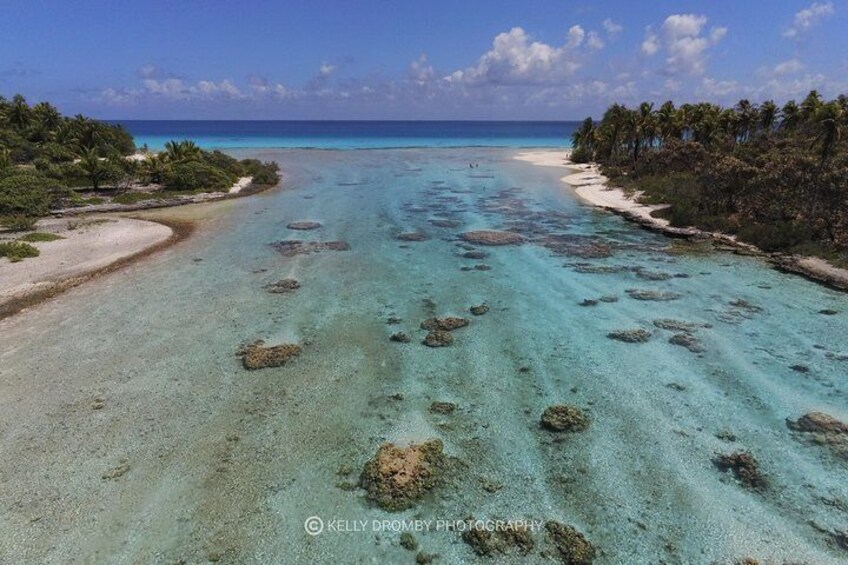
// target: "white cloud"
[[651, 44], [594, 41], [612, 28], [420, 70], [575, 36], [327, 69], [788, 67], [685, 45], [720, 88], [808, 17], [515, 59]]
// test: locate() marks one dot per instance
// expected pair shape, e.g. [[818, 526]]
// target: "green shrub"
[[18, 223], [27, 193], [38, 236], [581, 155], [195, 175], [224, 162], [16, 251]]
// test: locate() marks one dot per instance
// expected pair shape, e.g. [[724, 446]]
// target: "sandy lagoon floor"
[[130, 432]]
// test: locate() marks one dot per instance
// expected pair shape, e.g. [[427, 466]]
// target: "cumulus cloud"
[[685, 43], [327, 69], [809, 17], [718, 88], [420, 70], [515, 59], [788, 67], [594, 41], [612, 28]]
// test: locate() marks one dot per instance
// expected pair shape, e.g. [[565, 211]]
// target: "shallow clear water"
[[228, 464]]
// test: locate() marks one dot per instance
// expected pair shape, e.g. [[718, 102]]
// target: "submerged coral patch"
[[448, 323], [637, 335], [657, 295], [292, 247], [438, 338], [257, 356], [492, 237], [564, 418], [304, 225], [397, 477], [412, 236], [283, 286], [744, 467], [572, 546]]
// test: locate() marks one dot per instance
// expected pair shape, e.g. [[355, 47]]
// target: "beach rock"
[[637, 335], [479, 310], [658, 295], [487, 543], [304, 225], [492, 237], [688, 341], [448, 323], [400, 337], [283, 286], [475, 254], [572, 546], [744, 468], [293, 247], [257, 356], [438, 338], [442, 407], [564, 418], [397, 477], [412, 236]]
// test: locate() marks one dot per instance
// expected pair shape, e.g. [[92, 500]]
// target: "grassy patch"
[[39, 236], [16, 251]]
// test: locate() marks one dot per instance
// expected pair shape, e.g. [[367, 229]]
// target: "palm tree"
[[768, 116], [669, 121], [154, 168], [95, 169], [811, 105], [830, 119], [180, 151], [791, 116], [584, 136], [748, 117], [18, 113]]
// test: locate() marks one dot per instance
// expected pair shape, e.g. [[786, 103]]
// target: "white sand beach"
[[89, 245]]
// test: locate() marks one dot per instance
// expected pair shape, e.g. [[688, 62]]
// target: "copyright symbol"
[[313, 525]]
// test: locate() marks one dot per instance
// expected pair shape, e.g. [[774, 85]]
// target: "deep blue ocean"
[[350, 134]]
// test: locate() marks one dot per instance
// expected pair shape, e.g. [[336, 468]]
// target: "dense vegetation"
[[46, 159], [775, 176]]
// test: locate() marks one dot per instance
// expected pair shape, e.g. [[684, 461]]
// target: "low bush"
[[16, 251]]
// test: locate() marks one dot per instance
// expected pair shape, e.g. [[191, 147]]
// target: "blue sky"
[[378, 59]]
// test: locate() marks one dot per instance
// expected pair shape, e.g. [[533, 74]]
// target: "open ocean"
[[220, 134]]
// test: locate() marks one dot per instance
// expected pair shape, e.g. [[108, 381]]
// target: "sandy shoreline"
[[89, 247], [591, 186]]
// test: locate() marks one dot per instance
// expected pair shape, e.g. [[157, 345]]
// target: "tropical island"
[[58, 174], [773, 177]]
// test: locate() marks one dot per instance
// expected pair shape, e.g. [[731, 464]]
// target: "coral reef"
[[442, 407], [283, 286], [572, 546], [293, 247], [257, 356], [475, 254], [744, 467], [304, 225], [487, 543], [479, 310], [688, 341], [659, 295], [412, 236], [400, 337], [397, 477], [448, 323], [637, 335], [564, 418], [438, 338], [492, 237], [823, 429]]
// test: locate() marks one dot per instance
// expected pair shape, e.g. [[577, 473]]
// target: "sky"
[[433, 59]]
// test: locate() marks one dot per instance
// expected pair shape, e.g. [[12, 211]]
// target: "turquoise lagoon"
[[226, 464]]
